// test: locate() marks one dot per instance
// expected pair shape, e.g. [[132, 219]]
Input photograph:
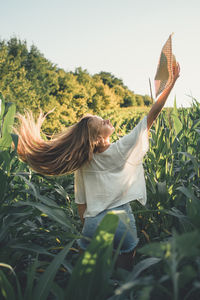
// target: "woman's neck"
[[101, 149], [103, 146]]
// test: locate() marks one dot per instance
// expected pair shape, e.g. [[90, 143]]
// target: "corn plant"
[[34, 223], [39, 258]]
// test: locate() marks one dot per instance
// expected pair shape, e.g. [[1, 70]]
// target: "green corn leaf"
[[45, 200], [177, 123], [44, 284], [15, 140], [141, 266], [145, 292], [183, 219], [193, 209], [7, 290], [162, 189], [193, 160], [152, 183], [195, 124], [30, 280], [94, 267], [188, 193], [5, 142], [9, 119], [153, 249], [56, 214], [3, 185], [2, 109], [184, 242], [192, 205], [30, 248], [57, 291], [7, 266], [5, 160], [30, 184], [133, 279], [198, 131], [175, 110]]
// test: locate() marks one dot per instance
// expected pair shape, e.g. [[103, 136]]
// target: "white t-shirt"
[[115, 176]]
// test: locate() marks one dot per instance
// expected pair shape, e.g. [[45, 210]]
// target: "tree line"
[[33, 82]]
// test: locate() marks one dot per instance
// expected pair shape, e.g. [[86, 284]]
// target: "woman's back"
[[115, 176]]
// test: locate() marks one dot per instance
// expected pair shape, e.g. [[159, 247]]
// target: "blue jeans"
[[130, 240]]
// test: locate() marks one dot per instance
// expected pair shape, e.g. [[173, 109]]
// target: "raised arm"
[[158, 105]]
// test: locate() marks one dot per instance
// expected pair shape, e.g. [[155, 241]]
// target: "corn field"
[[39, 223]]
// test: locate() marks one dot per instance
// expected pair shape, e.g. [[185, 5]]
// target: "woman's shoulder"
[[103, 161]]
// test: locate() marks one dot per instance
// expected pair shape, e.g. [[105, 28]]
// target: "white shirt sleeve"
[[134, 145], [79, 189]]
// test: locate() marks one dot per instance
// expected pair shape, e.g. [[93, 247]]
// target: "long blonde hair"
[[64, 153]]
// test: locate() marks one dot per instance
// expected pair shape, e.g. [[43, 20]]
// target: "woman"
[[107, 176]]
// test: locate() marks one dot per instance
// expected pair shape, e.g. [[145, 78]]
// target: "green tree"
[[110, 79], [147, 100], [139, 100], [33, 82], [129, 100]]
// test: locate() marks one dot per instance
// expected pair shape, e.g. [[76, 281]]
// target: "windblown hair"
[[64, 153]]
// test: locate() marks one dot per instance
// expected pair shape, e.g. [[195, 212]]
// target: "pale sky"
[[123, 37]]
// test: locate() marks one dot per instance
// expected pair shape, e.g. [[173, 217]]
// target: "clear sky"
[[123, 37]]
